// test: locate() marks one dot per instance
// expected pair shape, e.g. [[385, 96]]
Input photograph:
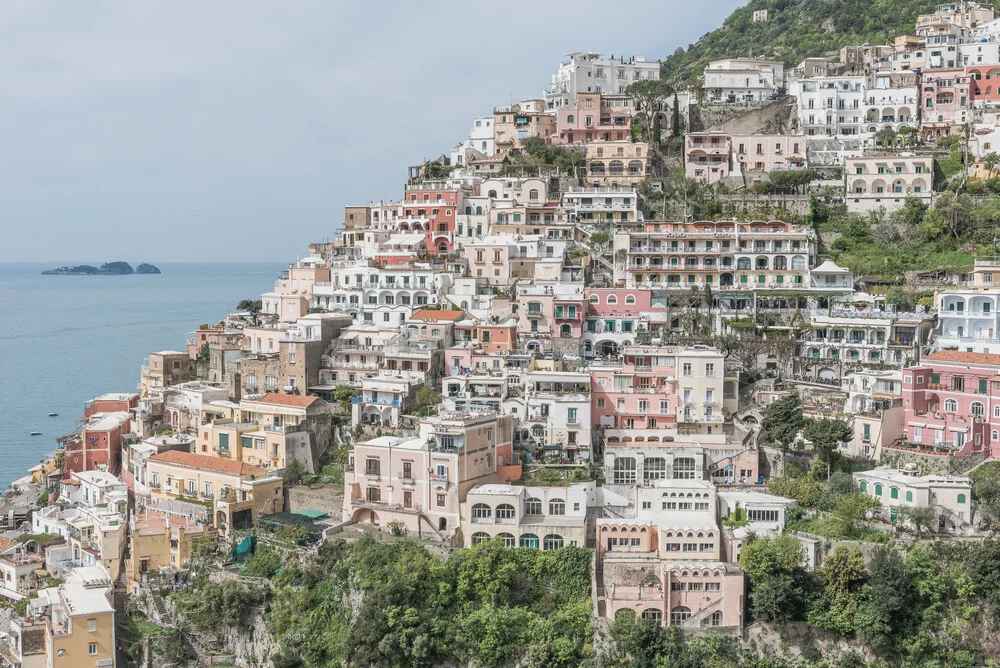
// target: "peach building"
[[621, 162], [592, 120], [162, 538], [416, 485]]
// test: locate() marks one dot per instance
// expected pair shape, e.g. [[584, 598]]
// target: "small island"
[[108, 269]]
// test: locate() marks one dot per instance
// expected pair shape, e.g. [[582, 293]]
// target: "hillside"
[[797, 29]]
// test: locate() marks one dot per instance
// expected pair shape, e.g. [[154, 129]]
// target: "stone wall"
[[327, 498], [773, 460], [742, 118], [931, 464]]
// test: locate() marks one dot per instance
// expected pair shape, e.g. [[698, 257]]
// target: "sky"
[[238, 130]]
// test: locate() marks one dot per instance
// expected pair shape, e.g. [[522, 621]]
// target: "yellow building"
[[163, 540], [239, 493], [67, 626]]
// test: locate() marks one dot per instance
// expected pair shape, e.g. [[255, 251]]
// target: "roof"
[[964, 357], [311, 514], [830, 267], [107, 421], [115, 396], [431, 314], [6, 544], [288, 400], [207, 463]]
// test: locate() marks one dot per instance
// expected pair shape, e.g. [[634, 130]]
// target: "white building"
[[743, 79], [480, 140], [586, 72], [831, 106], [528, 516], [885, 181], [969, 317], [891, 105], [950, 496], [590, 204]]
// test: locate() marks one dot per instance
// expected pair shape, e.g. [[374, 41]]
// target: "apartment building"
[[707, 155], [383, 399], [591, 120], [622, 162], [743, 79], [831, 106], [163, 537], [19, 562], [586, 72], [724, 255], [557, 416], [367, 293], [71, 624], [241, 492], [163, 369], [417, 485], [865, 335], [546, 518], [614, 317], [969, 315], [885, 181], [98, 444], [183, 403], [514, 123], [589, 205], [951, 403], [949, 496], [763, 154], [944, 98], [293, 290]]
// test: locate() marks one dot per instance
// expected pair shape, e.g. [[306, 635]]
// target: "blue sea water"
[[67, 339]]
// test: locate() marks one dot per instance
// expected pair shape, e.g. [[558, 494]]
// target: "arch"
[[612, 299], [528, 540], [505, 511], [743, 264], [533, 194], [950, 406], [595, 299], [479, 537], [552, 541], [961, 498], [508, 539], [533, 506], [630, 299], [679, 614], [654, 468], [492, 194], [863, 486], [565, 331], [798, 262], [624, 471], [481, 511], [616, 168], [977, 408], [635, 168], [654, 615], [557, 507], [761, 262], [780, 262], [893, 492], [684, 468], [479, 209], [570, 118], [597, 168], [878, 489]]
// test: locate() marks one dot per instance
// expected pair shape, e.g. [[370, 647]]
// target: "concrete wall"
[[327, 498]]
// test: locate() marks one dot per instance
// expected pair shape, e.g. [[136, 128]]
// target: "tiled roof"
[[6, 544], [207, 463], [431, 314], [288, 400], [964, 357]]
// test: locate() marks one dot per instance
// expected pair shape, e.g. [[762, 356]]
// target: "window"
[[191, 487], [91, 625], [529, 540], [961, 498], [533, 506], [92, 649], [552, 542], [505, 511], [863, 486], [440, 500], [893, 493], [684, 468], [679, 615], [878, 489], [950, 406], [557, 507], [481, 511], [909, 497], [686, 369], [977, 408], [208, 489]]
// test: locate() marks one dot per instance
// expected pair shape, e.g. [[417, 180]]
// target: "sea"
[[67, 339]]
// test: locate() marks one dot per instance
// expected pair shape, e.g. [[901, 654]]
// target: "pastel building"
[[951, 403], [743, 79], [831, 106], [944, 98], [969, 316], [546, 518], [594, 204], [590, 120], [588, 72], [886, 181], [613, 319], [949, 496], [707, 155], [621, 162], [417, 485]]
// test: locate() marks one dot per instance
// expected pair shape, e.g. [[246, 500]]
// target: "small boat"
[[53, 414], [35, 433]]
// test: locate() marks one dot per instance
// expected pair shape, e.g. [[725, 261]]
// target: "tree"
[[293, 472], [675, 121], [852, 510], [922, 517], [826, 437], [253, 307], [763, 556], [647, 96], [749, 352], [843, 575], [783, 420], [887, 598], [990, 161], [343, 394]]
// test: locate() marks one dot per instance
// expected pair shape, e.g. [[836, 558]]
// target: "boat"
[[53, 414], [35, 433]]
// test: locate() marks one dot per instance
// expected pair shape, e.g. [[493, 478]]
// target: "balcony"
[[439, 478]]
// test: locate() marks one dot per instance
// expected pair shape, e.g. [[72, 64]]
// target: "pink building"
[[945, 96], [952, 401], [613, 317], [416, 485], [707, 156], [589, 121], [639, 393]]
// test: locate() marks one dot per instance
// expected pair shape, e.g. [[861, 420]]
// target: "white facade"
[[876, 182], [525, 516], [886, 106], [950, 496], [594, 204], [831, 106], [584, 72], [743, 79], [969, 318]]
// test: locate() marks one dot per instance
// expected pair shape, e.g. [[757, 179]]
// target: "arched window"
[[508, 540], [468, 211], [863, 486], [684, 468], [977, 408], [961, 498], [479, 537], [625, 612], [532, 194], [950, 405], [878, 489], [612, 299], [909, 497], [630, 299], [996, 411], [493, 194], [679, 615], [571, 118], [552, 542], [533, 506], [557, 507], [481, 512], [624, 471], [505, 511], [538, 431], [654, 615], [529, 540], [893, 493], [479, 210], [594, 299], [654, 468], [995, 436]]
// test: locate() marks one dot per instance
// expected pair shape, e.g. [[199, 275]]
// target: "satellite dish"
[[741, 158]]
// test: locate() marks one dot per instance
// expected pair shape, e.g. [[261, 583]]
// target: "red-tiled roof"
[[289, 400], [207, 463], [430, 314], [964, 357]]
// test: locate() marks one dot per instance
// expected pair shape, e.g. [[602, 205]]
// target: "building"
[[945, 98], [951, 403], [707, 156], [588, 205], [743, 79], [547, 518], [416, 485], [586, 72], [98, 445], [969, 316], [885, 181], [758, 155], [831, 106], [949, 496], [163, 538], [71, 624], [622, 162], [19, 563], [592, 119], [165, 368], [241, 492]]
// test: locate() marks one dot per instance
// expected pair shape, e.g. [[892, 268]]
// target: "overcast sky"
[[237, 131]]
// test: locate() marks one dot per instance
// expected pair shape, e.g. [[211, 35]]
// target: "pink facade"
[[591, 123], [952, 399], [440, 206], [707, 156], [617, 302], [649, 401], [945, 96], [567, 317], [984, 81]]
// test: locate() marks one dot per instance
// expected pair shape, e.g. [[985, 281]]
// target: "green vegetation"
[[41, 539], [554, 476], [394, 604], [836, 508], [435, 169], [253, 307], [535, 152], [796, 29], [782, 421], [426, 401]]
